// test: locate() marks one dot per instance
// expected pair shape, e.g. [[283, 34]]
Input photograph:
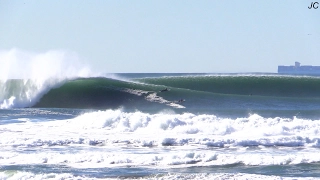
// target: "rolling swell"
[[259, 85]]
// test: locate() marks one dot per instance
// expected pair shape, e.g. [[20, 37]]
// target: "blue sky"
[[167, 36]]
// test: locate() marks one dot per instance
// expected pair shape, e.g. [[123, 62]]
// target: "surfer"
[[181, 100], [164, 90]]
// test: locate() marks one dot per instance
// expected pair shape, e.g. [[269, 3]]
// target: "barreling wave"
[[213, 94]]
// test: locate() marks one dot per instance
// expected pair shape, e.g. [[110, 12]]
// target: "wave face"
[[96, 93]]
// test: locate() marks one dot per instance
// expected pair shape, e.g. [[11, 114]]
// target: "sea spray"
[[24, 92], [26, 76]]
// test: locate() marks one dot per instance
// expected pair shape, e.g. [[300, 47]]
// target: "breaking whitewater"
[[63, 122]]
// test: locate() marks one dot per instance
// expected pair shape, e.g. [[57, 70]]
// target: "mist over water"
[[26, 76], [19, 64]]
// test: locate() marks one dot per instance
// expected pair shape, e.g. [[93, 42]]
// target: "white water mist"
[[26, 76]]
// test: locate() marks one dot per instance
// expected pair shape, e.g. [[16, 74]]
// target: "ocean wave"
[[162, 140], [172, 129], [199, 93]]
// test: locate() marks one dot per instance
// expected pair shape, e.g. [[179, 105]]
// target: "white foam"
[[220, 176], [202, 129], [35, 74], [152, 97], [31, 176], [102, 138], [168, 176]]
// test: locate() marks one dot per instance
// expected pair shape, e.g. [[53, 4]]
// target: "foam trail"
[[26, 76]]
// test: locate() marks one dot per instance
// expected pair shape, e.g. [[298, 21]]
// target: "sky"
[[167, 36]]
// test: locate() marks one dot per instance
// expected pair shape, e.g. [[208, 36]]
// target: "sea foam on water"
[[110, 133]]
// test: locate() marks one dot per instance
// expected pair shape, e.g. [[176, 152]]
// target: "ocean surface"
[[161, 126]]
